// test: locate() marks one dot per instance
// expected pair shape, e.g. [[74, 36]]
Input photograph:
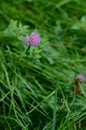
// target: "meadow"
[[43, 86]]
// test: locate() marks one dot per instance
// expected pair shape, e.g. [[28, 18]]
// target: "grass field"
[[40, 88]]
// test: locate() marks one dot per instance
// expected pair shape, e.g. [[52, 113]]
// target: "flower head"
[[80, 78], [33, 39]]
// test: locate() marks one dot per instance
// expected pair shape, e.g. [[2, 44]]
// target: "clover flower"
[[80, 78], [33, 39]]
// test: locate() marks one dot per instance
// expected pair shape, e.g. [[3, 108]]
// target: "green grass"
[[37, 88]]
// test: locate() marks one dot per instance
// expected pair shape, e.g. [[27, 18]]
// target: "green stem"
[[54, 111], [28, 48]]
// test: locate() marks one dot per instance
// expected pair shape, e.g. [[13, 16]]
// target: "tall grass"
[[37, 88]]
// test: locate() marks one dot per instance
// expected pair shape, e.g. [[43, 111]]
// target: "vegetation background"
[[37, 89]]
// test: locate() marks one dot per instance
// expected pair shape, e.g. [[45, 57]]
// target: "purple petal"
[[27, 39]]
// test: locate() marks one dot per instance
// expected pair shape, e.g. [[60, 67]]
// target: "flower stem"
[[28, 48]]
